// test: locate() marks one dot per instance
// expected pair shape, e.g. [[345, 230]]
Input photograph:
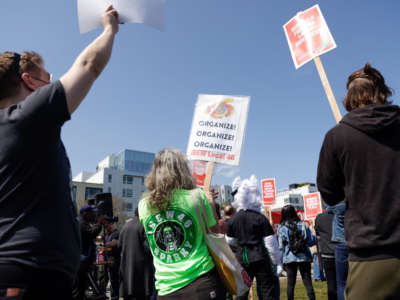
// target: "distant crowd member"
[[184, 268], [90, 226], [295, 238], [360, 162], [39, 233], [136, 268], [323, 230], [111, 240], [251, 229], [229, 211], [341, 250]]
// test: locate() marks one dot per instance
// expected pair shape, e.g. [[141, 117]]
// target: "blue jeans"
[[342, 268], [318, 274]]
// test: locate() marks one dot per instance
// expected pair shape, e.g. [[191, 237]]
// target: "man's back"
[[366, 145], [37, 213]]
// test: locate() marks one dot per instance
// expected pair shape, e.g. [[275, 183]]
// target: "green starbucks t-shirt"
[[176, 241]]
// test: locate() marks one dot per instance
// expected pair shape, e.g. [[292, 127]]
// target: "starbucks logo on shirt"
[[171, 235]]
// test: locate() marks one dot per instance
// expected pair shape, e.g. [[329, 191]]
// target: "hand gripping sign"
[[150, 12], [309, 37], [312, 205]]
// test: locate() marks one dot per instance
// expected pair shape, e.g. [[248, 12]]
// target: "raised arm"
[[91, 62]]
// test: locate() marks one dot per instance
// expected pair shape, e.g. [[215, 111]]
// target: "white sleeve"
[[231, 241], [271, 243]]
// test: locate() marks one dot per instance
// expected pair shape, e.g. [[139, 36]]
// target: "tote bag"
[[235, 278]]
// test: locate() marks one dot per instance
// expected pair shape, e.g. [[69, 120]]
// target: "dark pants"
[[33, 284], [206, 287], [376, 279], [277, 289], [342, 268], [113, 275], [81, 281], [330, 272], [305, 271], [262, 271]]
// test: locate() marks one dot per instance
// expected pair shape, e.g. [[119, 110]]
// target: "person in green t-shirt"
[[184, 267]]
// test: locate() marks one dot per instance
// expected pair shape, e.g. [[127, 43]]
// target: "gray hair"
[[170, 172]]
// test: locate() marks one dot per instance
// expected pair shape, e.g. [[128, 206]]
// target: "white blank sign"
[[149, 12]]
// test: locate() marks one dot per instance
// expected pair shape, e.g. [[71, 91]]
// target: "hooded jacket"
[[360, 162]]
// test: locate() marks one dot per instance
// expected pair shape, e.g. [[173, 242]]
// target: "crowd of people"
[[46, 250]]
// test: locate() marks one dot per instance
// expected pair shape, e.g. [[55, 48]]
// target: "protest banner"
[[309, 37], [149, 12], [199, 168], [268, 191], [312, 205], [217, 130]]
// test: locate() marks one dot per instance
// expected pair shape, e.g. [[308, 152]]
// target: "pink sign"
[[199, 168], [268, 191], [308, 36], [312, 205]]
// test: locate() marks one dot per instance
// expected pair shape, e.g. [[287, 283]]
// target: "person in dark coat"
[[360, 163], [136, 268], [323, 230]]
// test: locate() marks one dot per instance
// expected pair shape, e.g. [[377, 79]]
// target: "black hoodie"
[[360, 161]]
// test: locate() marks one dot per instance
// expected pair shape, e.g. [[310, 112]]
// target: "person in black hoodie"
[[360, 162]]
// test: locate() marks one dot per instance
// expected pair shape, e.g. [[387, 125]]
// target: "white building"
[[224, 196], [121, 174], [293, 196]]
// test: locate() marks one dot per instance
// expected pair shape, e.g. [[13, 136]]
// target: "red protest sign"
[[312, 205], [268, 191], [308, 36], [199, 168]]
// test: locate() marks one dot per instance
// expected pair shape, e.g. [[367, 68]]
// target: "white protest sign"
[[218, 128], [149, 12]]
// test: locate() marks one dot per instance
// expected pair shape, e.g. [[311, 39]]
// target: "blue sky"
[[145, 98]]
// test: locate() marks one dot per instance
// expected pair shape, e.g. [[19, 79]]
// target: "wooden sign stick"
[[209, 172], [327, 88], [207, 185]]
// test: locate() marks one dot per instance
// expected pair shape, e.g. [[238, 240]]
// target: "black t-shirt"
[[38, 220], [249, 228], [115, 252], [323, 229]]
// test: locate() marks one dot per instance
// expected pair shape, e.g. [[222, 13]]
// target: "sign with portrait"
[[218, 128]]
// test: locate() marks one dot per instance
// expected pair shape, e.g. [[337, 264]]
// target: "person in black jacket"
[[323, 230], [136, 268], [90, 227], [252, 232], [360, 162]]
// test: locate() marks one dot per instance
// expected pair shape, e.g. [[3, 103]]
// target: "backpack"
[[297, 242]]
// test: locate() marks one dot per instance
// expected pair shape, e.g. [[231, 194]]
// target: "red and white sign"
[[308, 36], [199, 168], [268, 191], [312, 206]]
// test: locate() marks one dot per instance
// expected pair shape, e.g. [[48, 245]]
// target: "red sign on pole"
[[199, 168], [268, 191], [312, 205], [308, 36]]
